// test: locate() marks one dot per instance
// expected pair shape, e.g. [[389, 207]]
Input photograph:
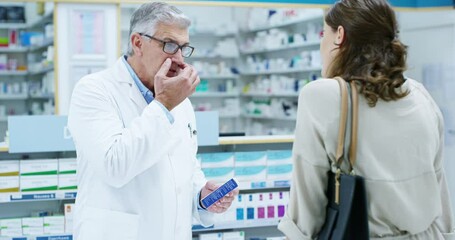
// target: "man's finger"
[[164, 69]]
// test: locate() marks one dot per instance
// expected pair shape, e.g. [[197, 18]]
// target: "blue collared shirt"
[[146, 93]]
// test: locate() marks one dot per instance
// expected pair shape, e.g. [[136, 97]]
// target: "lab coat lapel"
[[125, 77]]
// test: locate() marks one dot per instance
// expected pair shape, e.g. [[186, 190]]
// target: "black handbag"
[[347, 213]]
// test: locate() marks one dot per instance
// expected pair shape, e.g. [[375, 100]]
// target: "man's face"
[[154, 56]]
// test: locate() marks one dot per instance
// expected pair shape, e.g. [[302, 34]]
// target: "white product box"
[[11, 223], [54, 221], [243, 159], [279, 157], [211, 236], [12, 232], [234, 235], [38, 167], [69, 213], [221, 174], [256, 173], [33, 231], [67, 165], [9, 168], [54, 229], [39, 183], [67, 181], [9, 184], [32, 222], [279, 172], [223, 159]]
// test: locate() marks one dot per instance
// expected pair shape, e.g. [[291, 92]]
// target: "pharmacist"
[[134, 131]]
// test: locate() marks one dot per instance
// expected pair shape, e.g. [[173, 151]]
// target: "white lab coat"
[[138, 176]]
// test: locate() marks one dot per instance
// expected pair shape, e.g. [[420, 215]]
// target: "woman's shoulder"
[[321, 90]]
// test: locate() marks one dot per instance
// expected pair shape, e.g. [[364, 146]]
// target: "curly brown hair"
[[370, 54]]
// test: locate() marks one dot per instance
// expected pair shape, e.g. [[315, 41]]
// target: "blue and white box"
[[244, 159], [219, 174], [279, 157], [254, 173], [279, 172], [223, 159]]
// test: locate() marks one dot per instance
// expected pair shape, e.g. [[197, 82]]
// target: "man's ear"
[[339, 40], [136, 43]]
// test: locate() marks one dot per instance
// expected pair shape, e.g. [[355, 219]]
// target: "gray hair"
[[148, 15]]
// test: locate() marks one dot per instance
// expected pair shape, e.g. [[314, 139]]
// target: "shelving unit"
[[278, 59], [35, 79]]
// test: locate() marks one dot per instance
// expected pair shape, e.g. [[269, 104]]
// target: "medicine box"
[[211, 236], [11, 223], [244, 159], [240, 235], [12, 232], [279, 172], [67, 165], [67, 181], [256, 173], [68, 210], [279, 157], [9, 184], [38, 167], [39, 183], [9, 168], [220, 174], [223, 159]]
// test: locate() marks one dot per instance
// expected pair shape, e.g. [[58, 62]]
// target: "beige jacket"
[[399, 153]]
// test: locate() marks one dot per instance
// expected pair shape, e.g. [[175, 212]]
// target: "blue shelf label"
[[63, 237], [258, 185], [284, 183], [19, 238], [70, 195], [40, 196]]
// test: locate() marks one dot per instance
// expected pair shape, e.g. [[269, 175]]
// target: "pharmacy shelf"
[[41, 71], [12, 73], [218, 76], [13, 97], [21, 49], [304, 19], [291, 94], [238, 225], [39, 22], [214, 94], [3, 119], [24, 73], [42, 96], [285, 71], [269, 117], [37, 196], [256, 139], [264, 185], [13, 49], [44, 237], [282, 48]]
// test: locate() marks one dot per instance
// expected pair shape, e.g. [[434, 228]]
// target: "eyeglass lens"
[[171, 48]]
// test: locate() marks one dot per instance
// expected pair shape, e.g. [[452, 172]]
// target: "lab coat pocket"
[[103, 224]]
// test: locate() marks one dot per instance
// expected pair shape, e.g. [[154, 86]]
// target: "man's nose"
[[177, 57]]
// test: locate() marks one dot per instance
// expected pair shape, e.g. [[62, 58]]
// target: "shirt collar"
[[146, 93]]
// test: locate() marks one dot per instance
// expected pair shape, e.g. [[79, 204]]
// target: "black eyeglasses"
[[172, 47]]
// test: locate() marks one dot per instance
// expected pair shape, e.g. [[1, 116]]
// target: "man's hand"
[[224, 203], [171, 91]]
